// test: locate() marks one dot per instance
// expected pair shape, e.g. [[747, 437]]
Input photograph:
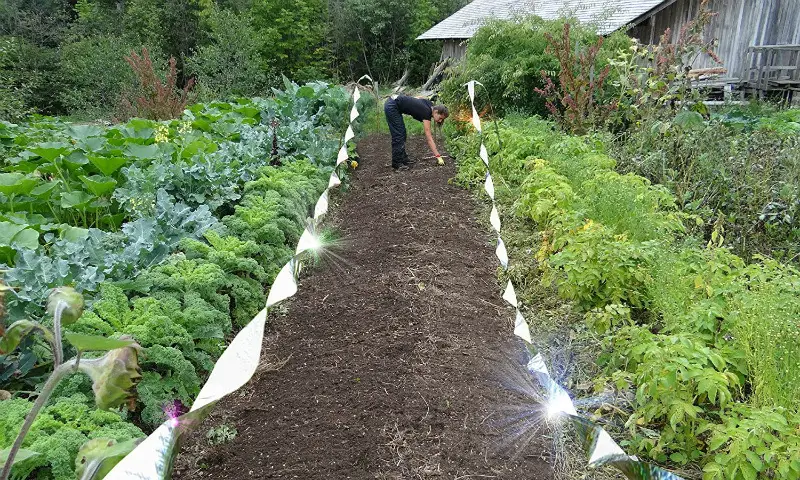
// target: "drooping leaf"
[[688, 120], [97, 457], [43, 190], [22, 455], [19, 330], [75, 199], [94, 343], [50, 150], [14, 183], [144, 152], [107, 165], [68, 302], [99, 185]]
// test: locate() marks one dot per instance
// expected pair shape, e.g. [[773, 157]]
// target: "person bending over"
[[419, 109]]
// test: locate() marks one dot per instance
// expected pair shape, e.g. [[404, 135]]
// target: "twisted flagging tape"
[[153, 458], [602, 449]]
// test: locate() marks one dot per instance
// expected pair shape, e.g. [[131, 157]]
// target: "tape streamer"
[[489, 186], [521, 328], [510, 295], [602, 449], [334, 181], [484, 155], [501, 252], [494, 219], [343, 155], [322, 206], [153, 458]]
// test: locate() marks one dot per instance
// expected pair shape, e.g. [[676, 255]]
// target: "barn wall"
[[738, 25], [454, 48]]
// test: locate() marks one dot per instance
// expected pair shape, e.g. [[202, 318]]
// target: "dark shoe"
[[402, 168], [410, 161]]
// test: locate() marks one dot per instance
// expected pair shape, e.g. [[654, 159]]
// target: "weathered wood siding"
[[454, 48], [739, 24]]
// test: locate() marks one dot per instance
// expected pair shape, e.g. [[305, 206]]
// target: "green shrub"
[[230, 65], [95, 75], [745, 179], [765, 324], [508, 56], [754, 443]]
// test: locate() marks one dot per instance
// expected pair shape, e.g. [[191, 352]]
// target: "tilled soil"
[[392, 349]]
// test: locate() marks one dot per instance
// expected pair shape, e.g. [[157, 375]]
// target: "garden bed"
[[172, 231]]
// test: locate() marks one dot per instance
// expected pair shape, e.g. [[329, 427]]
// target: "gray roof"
[[608, 15]]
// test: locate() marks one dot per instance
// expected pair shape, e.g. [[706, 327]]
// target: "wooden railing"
[[773, 67]]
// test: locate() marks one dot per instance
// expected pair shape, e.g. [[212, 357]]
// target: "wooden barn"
[[758, 40]]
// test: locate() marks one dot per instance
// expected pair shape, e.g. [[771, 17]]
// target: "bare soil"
[[386, 364]]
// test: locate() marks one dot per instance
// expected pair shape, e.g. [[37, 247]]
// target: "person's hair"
[[442, 109]]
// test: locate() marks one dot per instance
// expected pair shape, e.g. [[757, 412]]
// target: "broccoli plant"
[[113, 375]]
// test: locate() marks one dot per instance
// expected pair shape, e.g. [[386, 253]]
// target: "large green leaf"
[[50, 150], [98, 184], [80, 132], [688, 120], [92, 144], [200, 145], [20, 236], [75, 160], [305, 92], [44, 190], [107, 165], [145, 152], [75, 199], [16, 183], [94, 343]]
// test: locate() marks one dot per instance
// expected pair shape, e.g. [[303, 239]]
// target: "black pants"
[[398, 130]]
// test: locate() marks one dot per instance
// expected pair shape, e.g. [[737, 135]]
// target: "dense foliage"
[[508, 58], [740, 169], [182, 226], [703, 344], [68, 57]]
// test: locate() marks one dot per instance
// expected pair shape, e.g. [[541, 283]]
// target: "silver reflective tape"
[[521, 328], [510, 295], [321, 207], [284, 286], [308, 241], [343, 155], [237, 363], [334, 181], [494, 218], [501, 252], [489, 185], [604, 447]]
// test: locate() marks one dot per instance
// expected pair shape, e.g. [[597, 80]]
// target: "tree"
[[292, 36], [231, 63]]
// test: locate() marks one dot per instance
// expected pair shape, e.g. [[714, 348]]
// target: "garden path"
[[395, 349]]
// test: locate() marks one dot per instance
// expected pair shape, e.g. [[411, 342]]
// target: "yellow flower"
[[353, 164]]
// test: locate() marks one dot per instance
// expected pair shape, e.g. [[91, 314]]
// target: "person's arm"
[[429, 136]]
